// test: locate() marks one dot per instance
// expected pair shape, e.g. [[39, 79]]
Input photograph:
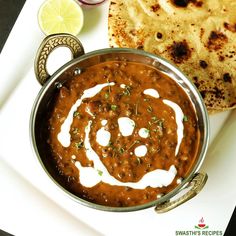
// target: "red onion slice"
[[91, 2]]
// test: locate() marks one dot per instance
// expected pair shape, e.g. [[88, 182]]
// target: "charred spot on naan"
[[155, 7], [216, 40], [203, 64], [217, 96], [159, 35], [184, 3], [230, 27], [227, 78], [179, 51]]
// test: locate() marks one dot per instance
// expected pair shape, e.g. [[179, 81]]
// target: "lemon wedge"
[[60, 16]]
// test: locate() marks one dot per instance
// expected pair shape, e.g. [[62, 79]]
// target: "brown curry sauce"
[[118, 156]]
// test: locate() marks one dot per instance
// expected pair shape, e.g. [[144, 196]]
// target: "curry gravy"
[[122, 134]]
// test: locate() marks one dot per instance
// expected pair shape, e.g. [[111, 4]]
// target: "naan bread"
[[198, 36]]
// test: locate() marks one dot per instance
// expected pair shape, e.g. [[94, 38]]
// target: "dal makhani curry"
[[122, 134]]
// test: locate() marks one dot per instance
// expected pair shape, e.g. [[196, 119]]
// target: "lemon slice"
[[60, 16]]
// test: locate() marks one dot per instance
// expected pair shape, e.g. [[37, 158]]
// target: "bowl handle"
[[47, 46], [195, 185]]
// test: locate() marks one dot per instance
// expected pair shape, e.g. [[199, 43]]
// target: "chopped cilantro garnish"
[[185, 118], [121, 150], [127, 90], [138, 160], [135, 142], [113, 107], [149, 109], [79, 144], [154, 118], [75, 130], [160, 123], [76, 114], [106, 95], [147, 131]]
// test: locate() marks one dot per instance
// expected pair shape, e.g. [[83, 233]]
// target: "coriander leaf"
[[106, 95], [79, 144], [185, 118], [149, 109], [113, 107]]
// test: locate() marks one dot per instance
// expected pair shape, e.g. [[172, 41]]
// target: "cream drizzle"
[[178, 115], [151, 92], [179, 122], [126, 126], [64, 135], [98, 173], [103, 137], [90, 176], [144, 133], [140, 151]]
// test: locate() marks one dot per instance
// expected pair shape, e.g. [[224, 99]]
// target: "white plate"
[[216, 201]]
